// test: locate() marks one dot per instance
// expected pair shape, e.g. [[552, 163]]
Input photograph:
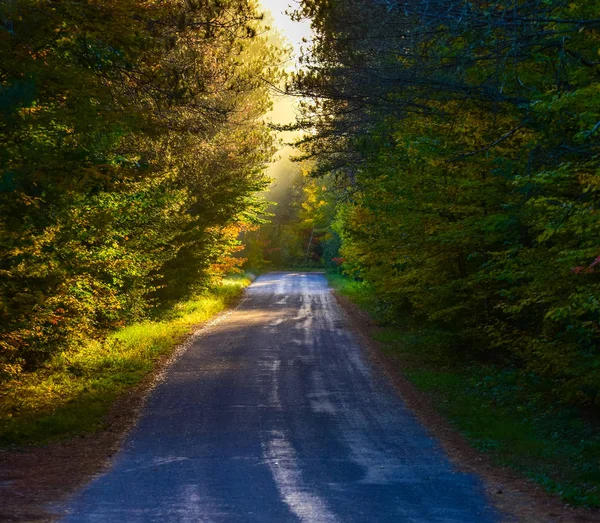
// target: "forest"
[[448, 165], [451, 162], [132, 154]]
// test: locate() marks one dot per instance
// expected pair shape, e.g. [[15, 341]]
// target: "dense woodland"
[[450, 160], [132, 150], [448, 174], [455, 169]]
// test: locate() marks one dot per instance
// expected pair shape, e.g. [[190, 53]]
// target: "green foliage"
[[462, 148], [297, 234], [503, 410], [72, 392], [132, 147]]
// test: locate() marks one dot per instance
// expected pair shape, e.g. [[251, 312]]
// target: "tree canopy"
[[462, 142], [132, 148]]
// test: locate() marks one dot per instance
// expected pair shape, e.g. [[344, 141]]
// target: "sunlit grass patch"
[[72, 393], [359, 292]]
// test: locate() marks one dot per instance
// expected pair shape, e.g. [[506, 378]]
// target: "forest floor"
[[511, 491]]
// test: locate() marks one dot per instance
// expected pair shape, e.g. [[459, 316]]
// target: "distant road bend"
[[274, 415]]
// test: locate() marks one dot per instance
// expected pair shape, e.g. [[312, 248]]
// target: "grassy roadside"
[[74, 391], [502, 411]]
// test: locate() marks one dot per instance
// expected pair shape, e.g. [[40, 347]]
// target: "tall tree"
[[463, 139], [131, 141]]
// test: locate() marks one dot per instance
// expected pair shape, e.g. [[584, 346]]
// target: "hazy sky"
[[293, 31], [282, 170]]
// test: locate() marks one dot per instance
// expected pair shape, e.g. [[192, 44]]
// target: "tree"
[[462, 139], [131, 142]]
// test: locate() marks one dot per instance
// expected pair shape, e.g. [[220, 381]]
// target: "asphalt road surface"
[[274, 415]]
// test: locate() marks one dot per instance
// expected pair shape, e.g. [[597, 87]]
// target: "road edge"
[[36, 481], [515, 497]]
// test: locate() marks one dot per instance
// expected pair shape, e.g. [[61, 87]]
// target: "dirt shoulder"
[[31, 478], [518, 498]]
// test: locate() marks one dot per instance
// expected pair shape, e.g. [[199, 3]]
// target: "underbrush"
[[502, 410], [72, 393]]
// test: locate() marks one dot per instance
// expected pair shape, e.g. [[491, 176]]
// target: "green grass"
[[73, 392], [502, 411], [359, 292]]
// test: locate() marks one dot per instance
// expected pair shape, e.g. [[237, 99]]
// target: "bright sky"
[[293, 31], [284, 112]]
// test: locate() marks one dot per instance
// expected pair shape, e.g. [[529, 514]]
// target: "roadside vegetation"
[[455, 167], [503, 411], [72, 392], [452, 173], [133, 148]]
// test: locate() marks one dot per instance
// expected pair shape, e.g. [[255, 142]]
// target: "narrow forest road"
[[274, 415]]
